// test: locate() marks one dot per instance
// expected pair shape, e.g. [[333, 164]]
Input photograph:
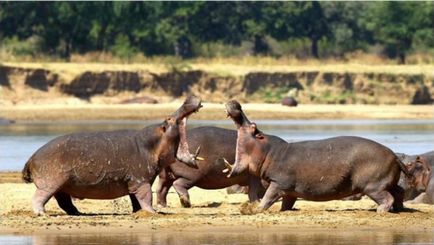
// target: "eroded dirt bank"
[[25, 85]]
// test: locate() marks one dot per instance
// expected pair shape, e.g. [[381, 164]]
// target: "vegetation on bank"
[[133, 31], [218, 82]]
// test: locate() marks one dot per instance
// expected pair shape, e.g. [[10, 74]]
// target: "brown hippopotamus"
[[107, 165], [217, 145], [413, 193], [319, 170], [420, 171]]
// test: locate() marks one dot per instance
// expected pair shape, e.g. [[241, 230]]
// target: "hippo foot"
[[398, 207], [161, 205], [185, 201], [383, 209], [75, 213], [248, 208], [40, 213]]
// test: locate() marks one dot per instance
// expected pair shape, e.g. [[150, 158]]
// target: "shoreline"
[[212, 210], [210, 111], [203, 229]]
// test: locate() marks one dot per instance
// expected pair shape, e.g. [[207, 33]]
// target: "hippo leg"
[[181, 186], [384, 200], [287, 203], [144, 197], [398, 197], [162, 190], [271, 196], [64, 201], [39, 200], [254, 189], [135, 203]]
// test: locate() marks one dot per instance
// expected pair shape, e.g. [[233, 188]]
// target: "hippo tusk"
[[196, 157], [197, 151], [227, 114], [227, 165]]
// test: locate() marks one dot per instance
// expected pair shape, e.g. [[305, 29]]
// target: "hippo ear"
[[259, 136], [410, 167], [163, 127]]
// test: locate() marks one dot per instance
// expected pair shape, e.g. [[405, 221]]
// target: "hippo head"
[[252, 145], [173, 129], [420, 172]]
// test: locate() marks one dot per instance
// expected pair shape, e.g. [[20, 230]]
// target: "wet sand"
[[212, 111], [212, 210]]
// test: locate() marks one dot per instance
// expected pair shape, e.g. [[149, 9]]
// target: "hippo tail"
[[26, 174], [402, 167]]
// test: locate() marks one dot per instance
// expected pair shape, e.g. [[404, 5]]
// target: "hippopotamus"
[[420, 171], [107, 165], [415, 194], [319, 170], [217, 148]]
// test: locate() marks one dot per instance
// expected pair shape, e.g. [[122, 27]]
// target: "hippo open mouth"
[[191, 105], [234, 111]]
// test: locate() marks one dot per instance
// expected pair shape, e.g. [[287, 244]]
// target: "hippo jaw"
[[191, 105], [234, 111], [249, 153]]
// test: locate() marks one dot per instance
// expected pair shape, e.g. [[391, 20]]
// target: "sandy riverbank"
[[212, 209], [213, 111]]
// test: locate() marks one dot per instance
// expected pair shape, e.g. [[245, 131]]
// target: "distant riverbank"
[[211, 111], [24, 83]]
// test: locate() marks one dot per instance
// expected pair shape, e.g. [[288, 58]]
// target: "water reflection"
[[19, 141], [290, 236]]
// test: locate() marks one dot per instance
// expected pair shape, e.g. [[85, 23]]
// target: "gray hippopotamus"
[[107, 165], [417, 195], [420, 170], [217, 147], [318, 170]]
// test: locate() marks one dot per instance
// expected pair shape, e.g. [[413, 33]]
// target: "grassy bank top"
[[228, 67]]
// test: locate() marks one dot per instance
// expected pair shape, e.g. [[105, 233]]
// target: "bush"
[[123, 48], [14, 47]]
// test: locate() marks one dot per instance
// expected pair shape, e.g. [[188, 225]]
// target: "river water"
[[236, 236], [20, 140]]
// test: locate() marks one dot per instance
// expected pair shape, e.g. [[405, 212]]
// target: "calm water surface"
[[20, 140], [234, 237]]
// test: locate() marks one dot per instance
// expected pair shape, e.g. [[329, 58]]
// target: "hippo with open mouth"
[[108, 165], [319, 170]]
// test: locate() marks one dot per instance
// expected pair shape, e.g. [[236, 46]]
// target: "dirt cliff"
[[26, 85]]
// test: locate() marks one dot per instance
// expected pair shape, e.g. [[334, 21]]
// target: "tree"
[[311, 23], [346, 21], [394, 25]]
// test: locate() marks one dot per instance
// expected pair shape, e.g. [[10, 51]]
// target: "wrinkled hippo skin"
[[107, 165], [317, 170], [216, 145], [412, 194]]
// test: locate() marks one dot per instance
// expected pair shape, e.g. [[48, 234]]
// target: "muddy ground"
[[212, 209]]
